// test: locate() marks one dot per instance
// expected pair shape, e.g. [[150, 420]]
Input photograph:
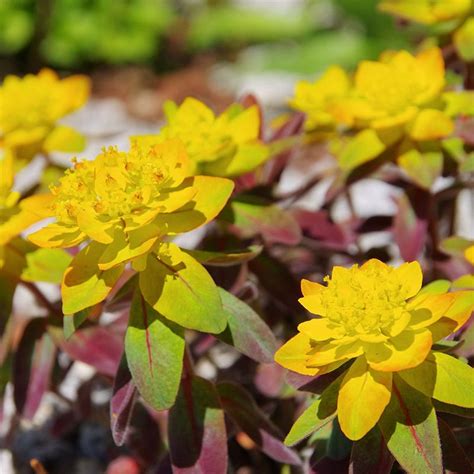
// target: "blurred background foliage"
[[299, 36]]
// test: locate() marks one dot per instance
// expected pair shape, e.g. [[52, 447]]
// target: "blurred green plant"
[[113, 31], [16, 25]]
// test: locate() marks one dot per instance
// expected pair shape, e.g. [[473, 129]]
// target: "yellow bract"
[[323, 100], [224, 145], [378, 315], [15, 215], [125, 203], [30, 108], [386, 106], [427, 11]]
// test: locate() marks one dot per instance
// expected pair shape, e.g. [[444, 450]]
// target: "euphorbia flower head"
[[377, 315], [30, 108], [427, 11], [224, 145], [126, 203]]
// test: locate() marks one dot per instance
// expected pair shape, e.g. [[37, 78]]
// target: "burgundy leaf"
[[196, 430], [270, 379], [98, 346], [370, 455], [292, 127], [32, 366], [277, 280], [455, 459], [319, 226], [246, 330], [242, 409], [409, 230], [122, 403]]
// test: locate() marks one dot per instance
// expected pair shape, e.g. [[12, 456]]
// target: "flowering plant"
[[171, 270], [227, 145], [30, 109], [379, 318]]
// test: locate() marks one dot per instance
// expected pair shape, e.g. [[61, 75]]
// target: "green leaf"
[[84, 284], [370, 455], [339, 445], [437, 287], [410, 429], [363, 147], [424, 168], [72, 322], [46, 265], [444, 378], [181, 289], [317, 415], [246, 331], [453, 409], [455, 246], [154, 348], [310, 421], [219, 259], [7, 290]]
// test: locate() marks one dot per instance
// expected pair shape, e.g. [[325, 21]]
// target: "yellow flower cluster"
[[398, 100], [399, 93], [125, 203], [427, 11], [378, 316], [224, 145], [30, 108]]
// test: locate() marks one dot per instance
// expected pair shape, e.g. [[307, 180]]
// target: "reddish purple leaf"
[[455, 459], [122, 402], [99, 346], [32, 366], [292, 127], [246, 330], [250, 216], [370, 455], [270, 379], [277, 280], [319, 226], [242, 409], [196, 430], [409, 230]]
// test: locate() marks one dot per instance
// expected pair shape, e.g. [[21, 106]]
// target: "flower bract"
[[225, 145], [124, 204], [30, 108], [379, 319]]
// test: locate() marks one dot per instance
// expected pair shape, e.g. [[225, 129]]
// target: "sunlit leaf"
[[154, 347], [180, 288]]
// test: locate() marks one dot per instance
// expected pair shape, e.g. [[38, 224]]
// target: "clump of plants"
[[345, 356]]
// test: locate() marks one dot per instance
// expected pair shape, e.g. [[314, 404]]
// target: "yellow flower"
[[226, 145], [30, 108], [15, 216], [400, 90], [378, 316], [126, 203], [427, 11], [323, 100]]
